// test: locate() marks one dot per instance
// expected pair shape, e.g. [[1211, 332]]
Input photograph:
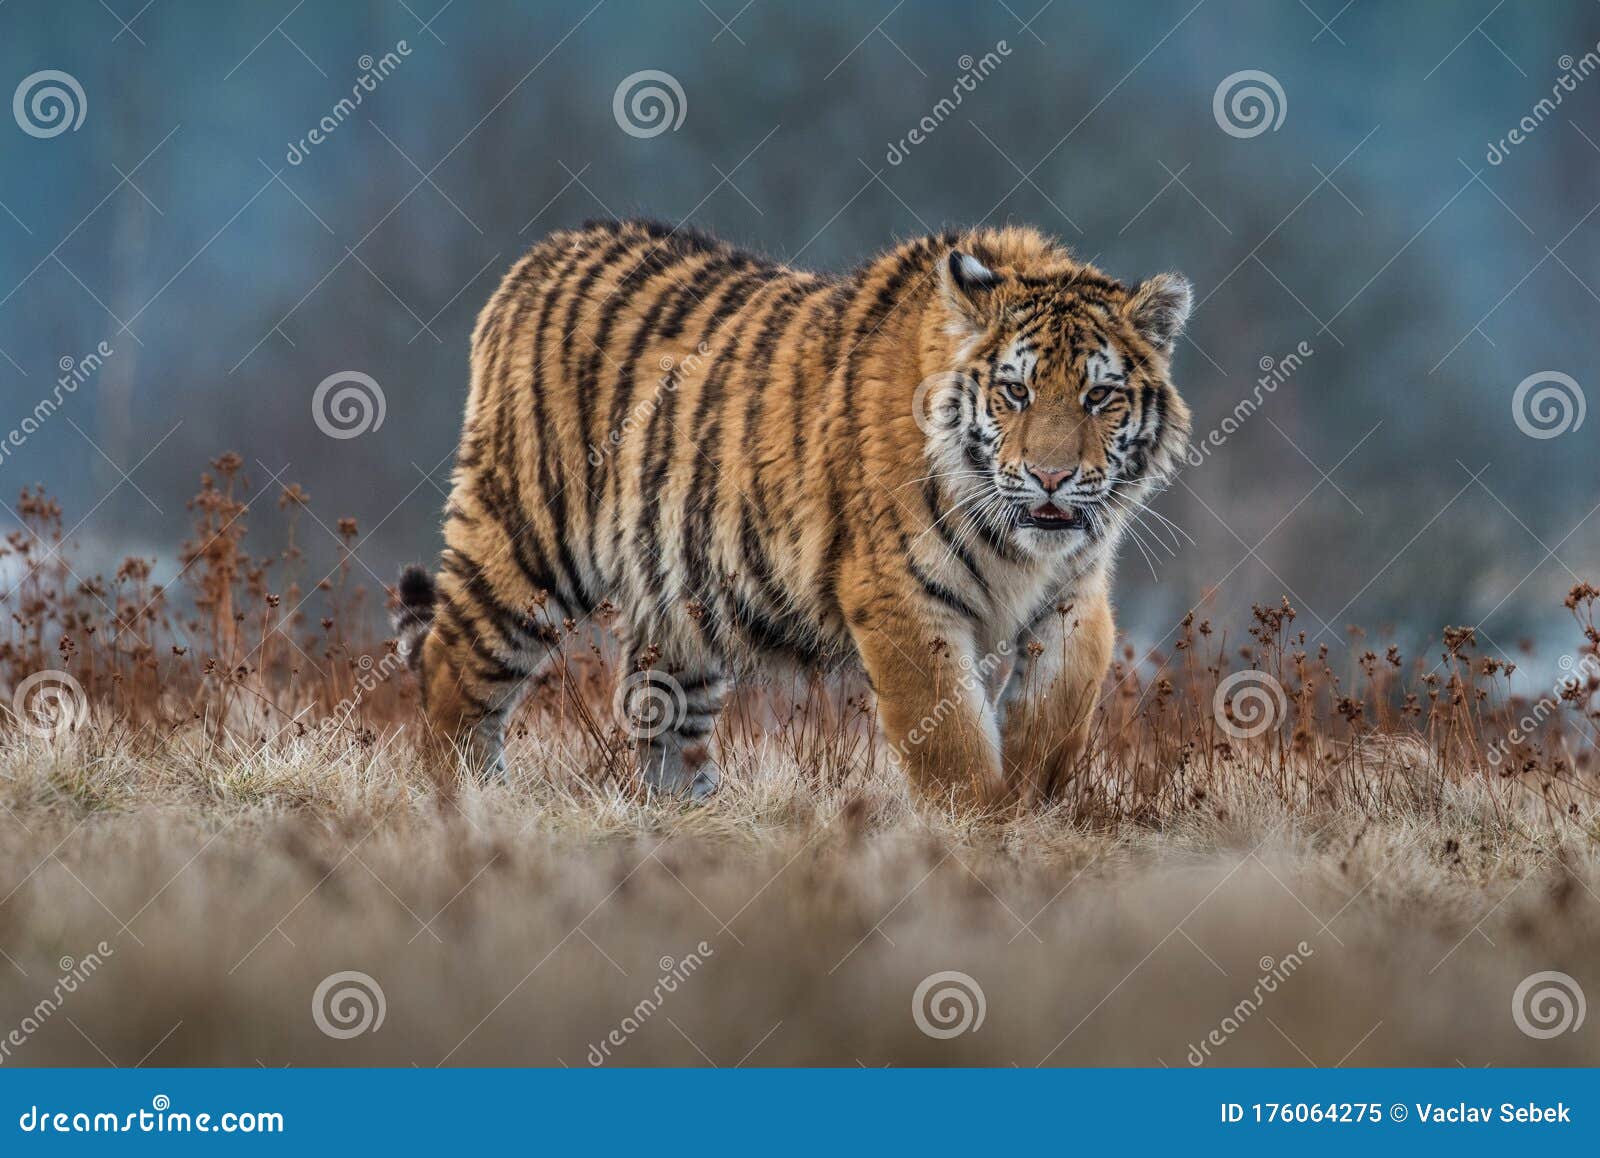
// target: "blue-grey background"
[[1386, 482]]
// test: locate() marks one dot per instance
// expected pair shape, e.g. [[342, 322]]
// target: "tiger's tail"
[[418, 598]]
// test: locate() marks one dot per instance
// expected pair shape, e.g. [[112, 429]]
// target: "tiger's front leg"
[[935, 713], [1048, 705]]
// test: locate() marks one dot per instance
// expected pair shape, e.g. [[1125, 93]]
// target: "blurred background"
[[1388, 232]]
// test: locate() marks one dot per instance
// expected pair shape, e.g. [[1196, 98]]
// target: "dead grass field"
[[1366, 882]]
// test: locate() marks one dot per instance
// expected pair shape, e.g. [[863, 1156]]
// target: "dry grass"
[[241, 820]]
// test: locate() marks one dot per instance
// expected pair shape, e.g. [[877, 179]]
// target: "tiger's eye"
[[1017, 392], [1098, 395]]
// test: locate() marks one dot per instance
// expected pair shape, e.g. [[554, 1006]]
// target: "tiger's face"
[[1057, 415]]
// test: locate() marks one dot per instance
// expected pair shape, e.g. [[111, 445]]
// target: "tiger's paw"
[[685, 774], [707, 779]]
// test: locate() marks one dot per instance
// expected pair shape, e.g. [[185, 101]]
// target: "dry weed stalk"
[[258, 672]]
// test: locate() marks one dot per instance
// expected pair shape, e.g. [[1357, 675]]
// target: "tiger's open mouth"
[[1049, 517]]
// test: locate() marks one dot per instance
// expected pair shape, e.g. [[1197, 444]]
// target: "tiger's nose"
[[1049, 479]]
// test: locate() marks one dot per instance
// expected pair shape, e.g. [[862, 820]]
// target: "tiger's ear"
[[1159, 307], [967, 286]]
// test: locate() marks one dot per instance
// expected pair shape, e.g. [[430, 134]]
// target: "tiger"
[[919, 470]]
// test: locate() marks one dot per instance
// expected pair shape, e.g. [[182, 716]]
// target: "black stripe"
[[708, 279], [552, 490], [800, 375], [995, 539], [502, 435], [580, 297], [941, 527], [586, 388], [506, 449], [530, 561], [757, 373], [622, 390], [698, 681], [685, 297], [659, 441], [938, 590], [457, 631], [1161, 417], [883, 303], [765, 634], [758, 567], [517, 629], [705, 488]]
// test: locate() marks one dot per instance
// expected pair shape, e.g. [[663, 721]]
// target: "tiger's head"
[[1050, 407]]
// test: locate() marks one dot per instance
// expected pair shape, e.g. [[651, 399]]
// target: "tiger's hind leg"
[[670, 714], [473, 652]]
